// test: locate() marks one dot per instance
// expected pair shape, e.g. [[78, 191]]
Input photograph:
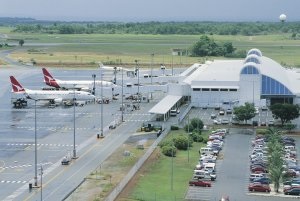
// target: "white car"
[[215, 121], [224, 121]]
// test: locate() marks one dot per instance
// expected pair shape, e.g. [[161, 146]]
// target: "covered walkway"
[[162, 108]]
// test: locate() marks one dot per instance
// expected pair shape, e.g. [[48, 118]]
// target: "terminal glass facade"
[[249, 70], [271, 86]]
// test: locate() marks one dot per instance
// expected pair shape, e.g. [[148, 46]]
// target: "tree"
[[275, 159], [228, 48], [244, 112], [285, 112], [195, 125], [21, 42]]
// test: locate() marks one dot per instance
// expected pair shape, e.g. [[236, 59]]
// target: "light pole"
[[137, 70], [115, 74], [35, 146], [188, 127], [41, 183], [152, 57], [172, 163], [101, 106], [74, 121], [253, 91], [115, 82], [122, 108], [94, 86], [172, 66]]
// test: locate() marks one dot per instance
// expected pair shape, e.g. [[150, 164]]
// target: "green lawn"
[[156, 184], [128, 47]]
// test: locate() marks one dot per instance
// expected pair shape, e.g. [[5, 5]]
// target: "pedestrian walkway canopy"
[[163, 107]]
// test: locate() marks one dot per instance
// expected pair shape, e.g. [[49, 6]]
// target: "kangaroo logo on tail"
[[16, 86], [49, 79]]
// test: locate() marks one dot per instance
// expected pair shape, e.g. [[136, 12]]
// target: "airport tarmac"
[[55, 137]]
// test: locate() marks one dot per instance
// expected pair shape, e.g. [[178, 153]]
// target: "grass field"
[[156, 182], [125, 48]]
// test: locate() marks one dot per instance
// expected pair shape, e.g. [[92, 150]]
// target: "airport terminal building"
[[226, 83]]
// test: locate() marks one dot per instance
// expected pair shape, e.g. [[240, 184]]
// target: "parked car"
[[229, 111], [292, 191], [262, 180], [213, 116], [257, 165], [271, 123], [288, 138], [290, 173], [293, 181], [218, 122], [199, 183], [222, 112], [259, 187], [256, 176], [259, 170], [224, 121], [263, 123]]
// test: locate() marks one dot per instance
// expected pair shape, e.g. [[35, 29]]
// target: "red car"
[[258, 169], [199, 183], [259, 187]]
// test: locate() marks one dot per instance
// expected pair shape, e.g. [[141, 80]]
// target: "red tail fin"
[[49, 79], [16, 86]]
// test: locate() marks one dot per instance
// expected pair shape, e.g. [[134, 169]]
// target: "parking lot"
[[210, 116], [233, 172]]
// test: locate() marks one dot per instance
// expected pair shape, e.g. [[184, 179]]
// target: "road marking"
[[50, 145], [137, 120], [51, 128], [24, 166], [12, 182]]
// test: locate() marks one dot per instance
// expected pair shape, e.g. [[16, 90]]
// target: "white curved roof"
[[218, 70], [274, 70], [227, 72], [252, 57], [251, 64], [254, 51]]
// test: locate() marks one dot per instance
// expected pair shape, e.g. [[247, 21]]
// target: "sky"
[[152, 10]]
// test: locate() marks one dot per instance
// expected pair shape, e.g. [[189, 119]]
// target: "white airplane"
[[110, 68], [84, 85], [53, 96]]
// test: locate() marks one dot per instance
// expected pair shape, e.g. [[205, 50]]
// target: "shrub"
[[165, 143], [197, 137], [262, 131], [174, 127], [188, 128], [205, 140], [181, 142], [289, 126], [169, 150]]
